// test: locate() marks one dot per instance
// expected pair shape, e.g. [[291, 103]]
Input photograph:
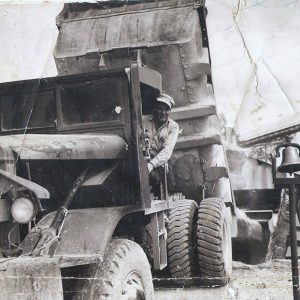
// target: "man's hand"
[[150, 167]]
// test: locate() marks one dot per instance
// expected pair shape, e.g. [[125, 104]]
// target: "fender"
[[84, 236], [39, 191]]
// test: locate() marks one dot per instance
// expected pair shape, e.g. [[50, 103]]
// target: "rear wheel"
[[124, 274], [182, 238], [214, 240]]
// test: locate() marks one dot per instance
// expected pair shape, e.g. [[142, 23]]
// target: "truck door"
[[139, 163]]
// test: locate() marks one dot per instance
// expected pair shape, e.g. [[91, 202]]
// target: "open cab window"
[[23, 110], [91, 102]]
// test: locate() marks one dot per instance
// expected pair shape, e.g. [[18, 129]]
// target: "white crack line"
[[251, 61], [235, 16]]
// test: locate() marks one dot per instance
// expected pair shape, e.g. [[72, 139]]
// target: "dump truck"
[[78, 217]]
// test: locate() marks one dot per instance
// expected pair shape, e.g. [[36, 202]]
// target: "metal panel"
[[7, 163], [264, 199], [140, 166], [262, 216], [39, 191], [96, 177], [5, 214], [141, 29], [30, 278], [172, 73], [193, 111], [42, 146], [150, 77], [159, 240], [213, 173], [187, 142], [94, 226]]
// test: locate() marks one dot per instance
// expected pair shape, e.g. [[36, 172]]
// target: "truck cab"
[[54, 128]]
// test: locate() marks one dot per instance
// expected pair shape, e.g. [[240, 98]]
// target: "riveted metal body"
[[169, 36]]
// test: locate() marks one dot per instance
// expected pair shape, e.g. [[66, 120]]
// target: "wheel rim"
[[133, 287]]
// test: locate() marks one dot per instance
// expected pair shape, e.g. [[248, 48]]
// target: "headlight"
[[23, 210]]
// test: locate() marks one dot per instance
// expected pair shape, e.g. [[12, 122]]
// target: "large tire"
[[214, 240], [181, 239], [125, 274]]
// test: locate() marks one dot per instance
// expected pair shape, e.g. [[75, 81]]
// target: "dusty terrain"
[[270, 281]]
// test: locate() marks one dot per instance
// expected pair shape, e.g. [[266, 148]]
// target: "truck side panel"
[[85, 233]]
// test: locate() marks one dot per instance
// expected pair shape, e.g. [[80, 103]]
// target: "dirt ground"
[[268, 281]]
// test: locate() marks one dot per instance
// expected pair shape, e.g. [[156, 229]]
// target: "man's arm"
[[166, 152]]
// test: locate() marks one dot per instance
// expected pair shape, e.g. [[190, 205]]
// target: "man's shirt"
[[162, 140]]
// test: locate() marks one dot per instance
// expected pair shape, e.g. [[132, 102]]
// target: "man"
[[162, 133]]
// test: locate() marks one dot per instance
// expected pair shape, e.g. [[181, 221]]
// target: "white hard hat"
[[165, 98]]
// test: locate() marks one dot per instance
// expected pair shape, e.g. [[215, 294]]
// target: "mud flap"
[[30, 278]]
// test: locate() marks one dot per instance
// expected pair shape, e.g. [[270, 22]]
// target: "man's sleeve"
[[166, 152]]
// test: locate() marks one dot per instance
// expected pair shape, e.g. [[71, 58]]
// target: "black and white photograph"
[[149, 150]]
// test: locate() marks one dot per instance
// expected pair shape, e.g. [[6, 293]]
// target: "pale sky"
[[255, 53]]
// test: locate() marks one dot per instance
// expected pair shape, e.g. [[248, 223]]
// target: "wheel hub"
[[133, 287]]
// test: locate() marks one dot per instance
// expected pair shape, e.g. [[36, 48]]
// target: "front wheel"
[[125, 274]]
